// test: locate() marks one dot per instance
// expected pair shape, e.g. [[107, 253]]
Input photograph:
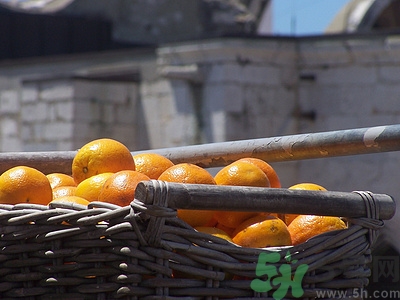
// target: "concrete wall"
[[212, 91], [274, 87], [356, 84], [60, 103]]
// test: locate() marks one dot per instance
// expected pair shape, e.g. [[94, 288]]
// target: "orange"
[[302, 186], [232, 219], [228, 230], [267, 169], [60, 179], [304, 227], [239, 173], [22, 184], [71, 199], [262, 231], [62, 191], [187, 173], [101, 156], [192, 174], [242, 173], [120, 187], [307, 186], [213, 222], [151, 164], [90, 187], [215, 232]]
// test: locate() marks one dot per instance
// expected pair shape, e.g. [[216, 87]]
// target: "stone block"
[[354, 74], [133, 93], [183, 97], [65, 145], [265, 102], [360, 172], [35, 112], [84, 89], [9, 102], [389, 52], [226, 97], [86, 111], [354, 121], [57, 89], [37, 131], [30, 92], [26, 132], [219, 128], [389, 73], [261, 127], [11, 144], [225, 73], [57, 131], [82, 133], [124, 114], [216, 51], [39, 146], [323, 52], [101, 91], [125, 134], [386, 99], [289, 76], [265, 75], [180, 131], [386, 182], [116, 92], [155, 88], [9, 127], [151, 109], [112, 114], [281, 126], [365, 51], [64, 110], [337, 99], [213, 95]]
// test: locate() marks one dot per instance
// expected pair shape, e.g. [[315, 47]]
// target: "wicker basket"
[[108, 252]]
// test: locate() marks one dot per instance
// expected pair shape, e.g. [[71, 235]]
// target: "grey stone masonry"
[[213, 90]]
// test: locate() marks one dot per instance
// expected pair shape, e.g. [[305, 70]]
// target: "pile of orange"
[[102, 170], [105, 170]]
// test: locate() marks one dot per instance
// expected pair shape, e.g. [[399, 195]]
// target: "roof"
[[366, 16]]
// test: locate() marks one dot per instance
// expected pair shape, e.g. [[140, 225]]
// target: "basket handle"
[[234, 198]]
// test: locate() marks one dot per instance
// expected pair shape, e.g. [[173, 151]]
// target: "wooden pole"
[[235, 198], [291, 147], [284, 148]]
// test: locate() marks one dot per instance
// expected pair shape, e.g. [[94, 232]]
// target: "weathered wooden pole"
[[235, 198], [274, 149]]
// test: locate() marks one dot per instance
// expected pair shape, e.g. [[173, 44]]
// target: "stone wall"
[[355, 83], [212, 91], [63, 102], [273, 87], [10, 139]]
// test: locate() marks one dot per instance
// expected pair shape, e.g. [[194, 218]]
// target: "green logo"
[[280, 278]]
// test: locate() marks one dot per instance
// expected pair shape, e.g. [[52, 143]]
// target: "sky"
[[303, 17]]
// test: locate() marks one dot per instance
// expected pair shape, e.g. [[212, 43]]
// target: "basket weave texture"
[[105, 251]]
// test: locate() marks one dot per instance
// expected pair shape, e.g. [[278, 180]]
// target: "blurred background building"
[[167, 73]]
